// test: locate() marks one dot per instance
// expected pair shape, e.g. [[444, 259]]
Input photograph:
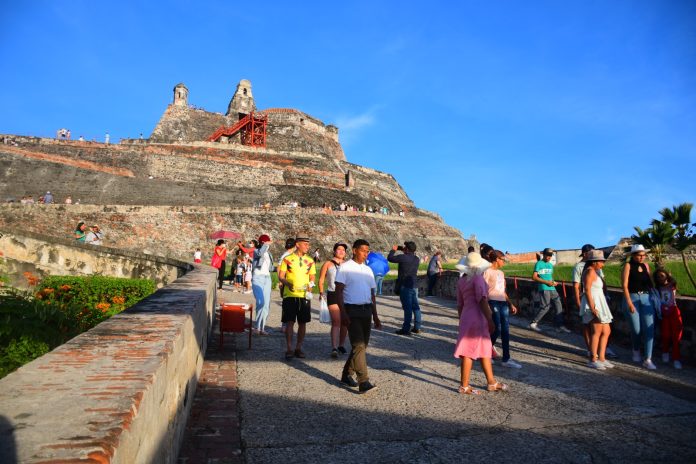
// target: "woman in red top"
[[221, 252]]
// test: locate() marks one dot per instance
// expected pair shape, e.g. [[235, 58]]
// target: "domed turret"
[[180, 95]]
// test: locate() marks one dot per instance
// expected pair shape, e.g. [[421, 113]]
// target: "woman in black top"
[[637, 283]]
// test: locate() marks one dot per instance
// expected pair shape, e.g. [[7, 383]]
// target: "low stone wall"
[[43, 255], [522, 290], [119, 393]]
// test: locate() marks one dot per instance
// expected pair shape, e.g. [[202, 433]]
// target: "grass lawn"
[[612, 274]]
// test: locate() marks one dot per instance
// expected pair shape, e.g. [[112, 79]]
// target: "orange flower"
[[48, 290], [65, 287], [31, 279], [103, 306], [118, 300]]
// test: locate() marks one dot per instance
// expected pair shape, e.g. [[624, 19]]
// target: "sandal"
[[468, 390], [299, 354], [289, 354], [498, 387]]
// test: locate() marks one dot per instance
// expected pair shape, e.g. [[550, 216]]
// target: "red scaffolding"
[[252, 129]]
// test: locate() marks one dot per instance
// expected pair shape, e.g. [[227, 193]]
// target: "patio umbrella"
[[378, 263], [225, 234]]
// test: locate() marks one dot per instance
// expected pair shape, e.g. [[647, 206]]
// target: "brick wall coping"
[[118, 393]]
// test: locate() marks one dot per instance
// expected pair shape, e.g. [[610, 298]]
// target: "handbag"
[[324, 315], [216, 262]]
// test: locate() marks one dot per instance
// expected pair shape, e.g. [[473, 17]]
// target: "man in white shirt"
[[94, 236], [355, 289]]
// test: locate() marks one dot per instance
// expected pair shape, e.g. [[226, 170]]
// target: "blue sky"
[[529, 124]]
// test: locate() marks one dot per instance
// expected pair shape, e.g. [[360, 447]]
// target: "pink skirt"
[[474, 340]]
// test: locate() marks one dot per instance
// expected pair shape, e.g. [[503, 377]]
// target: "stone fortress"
[[201, 171]]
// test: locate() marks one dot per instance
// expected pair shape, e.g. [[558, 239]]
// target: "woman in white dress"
[[594, 309]]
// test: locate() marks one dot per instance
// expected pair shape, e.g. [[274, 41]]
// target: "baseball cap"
[[548, 252], [585, 248]]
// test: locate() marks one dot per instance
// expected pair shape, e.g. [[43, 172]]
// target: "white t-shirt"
[[197, 255], [359, 282]]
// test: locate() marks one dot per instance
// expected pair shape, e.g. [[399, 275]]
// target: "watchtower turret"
[[180, 95], [242, 102]]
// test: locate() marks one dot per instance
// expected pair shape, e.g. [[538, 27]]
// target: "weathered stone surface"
[[178, 231], [44, 255], [118, 393]]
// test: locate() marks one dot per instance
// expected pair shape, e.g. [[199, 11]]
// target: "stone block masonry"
[[119, 393]]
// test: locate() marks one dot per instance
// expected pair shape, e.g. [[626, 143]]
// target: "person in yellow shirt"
[[297, 273]]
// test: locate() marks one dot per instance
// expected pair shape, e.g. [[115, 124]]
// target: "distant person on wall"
[[48, 198], [68, 200], [327, 275], [475, 326], [80, 232], [407, 282], [297, 273], [355, 288], [543, 276], [107, 138], [637, 283], [434, 271], [594, 309], [218, 261], [500, 304], [94, 236], [671, 326], [197, 255], [262, 266]]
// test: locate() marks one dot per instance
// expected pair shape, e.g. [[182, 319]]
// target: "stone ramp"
[[558, 410]]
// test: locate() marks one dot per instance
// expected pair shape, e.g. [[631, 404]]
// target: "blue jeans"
[[642, 323], [378, 281], [409, 301], [261, 286], [432, 280], [501, 319]]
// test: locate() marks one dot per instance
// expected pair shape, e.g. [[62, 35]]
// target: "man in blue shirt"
[[408, 290], [543, 275]]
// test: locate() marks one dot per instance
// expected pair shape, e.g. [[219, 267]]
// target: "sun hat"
[[595, 255], [474, 259], [263, 238], [300, 238], [637, 248], [585, 248]]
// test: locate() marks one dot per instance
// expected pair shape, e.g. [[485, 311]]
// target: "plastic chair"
[[233, 319]]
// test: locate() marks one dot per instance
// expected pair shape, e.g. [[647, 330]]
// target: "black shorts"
[[296, 309], [331, 298]]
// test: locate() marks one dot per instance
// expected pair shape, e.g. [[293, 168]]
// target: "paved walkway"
[[558, 410]]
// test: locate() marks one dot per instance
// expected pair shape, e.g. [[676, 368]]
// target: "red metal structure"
[[252, 128]]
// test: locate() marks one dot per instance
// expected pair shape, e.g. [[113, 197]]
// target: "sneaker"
[[415, 331], [341, 350], [402, 332], [563, 329], [535, 327], [334, 353], [607, 364], [596, 365], [348, 381], [511, 363], [495, 353], [610, 353], [677, 364], [365, 387], [636, 356], [665, 357], [648, 364]]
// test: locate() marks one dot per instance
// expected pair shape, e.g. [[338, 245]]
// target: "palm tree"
[[679, 217]]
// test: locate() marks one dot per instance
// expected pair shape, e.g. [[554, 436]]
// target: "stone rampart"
[[118, 393], [44, 255], [522, 293], [178, 231]]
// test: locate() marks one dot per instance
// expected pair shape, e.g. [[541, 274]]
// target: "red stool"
[[233, 319]]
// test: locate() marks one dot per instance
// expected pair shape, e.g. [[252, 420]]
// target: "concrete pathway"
[[557, 410]]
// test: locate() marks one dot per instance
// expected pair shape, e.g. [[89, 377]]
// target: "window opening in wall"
[[245, 92]]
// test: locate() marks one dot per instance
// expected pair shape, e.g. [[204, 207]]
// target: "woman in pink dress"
[[475, 325]]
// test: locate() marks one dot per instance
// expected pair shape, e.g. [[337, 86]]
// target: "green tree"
[[679, 217], [655, 238]]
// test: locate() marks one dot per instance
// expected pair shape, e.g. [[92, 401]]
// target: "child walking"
[[247, 276], [671, 327]]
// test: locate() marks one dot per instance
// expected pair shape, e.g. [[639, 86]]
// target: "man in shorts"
[[297, 273], [355, 289]]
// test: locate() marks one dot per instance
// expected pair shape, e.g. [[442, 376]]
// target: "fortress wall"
[[178, 231], [181, 123], [22, 251], [94, 398]]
